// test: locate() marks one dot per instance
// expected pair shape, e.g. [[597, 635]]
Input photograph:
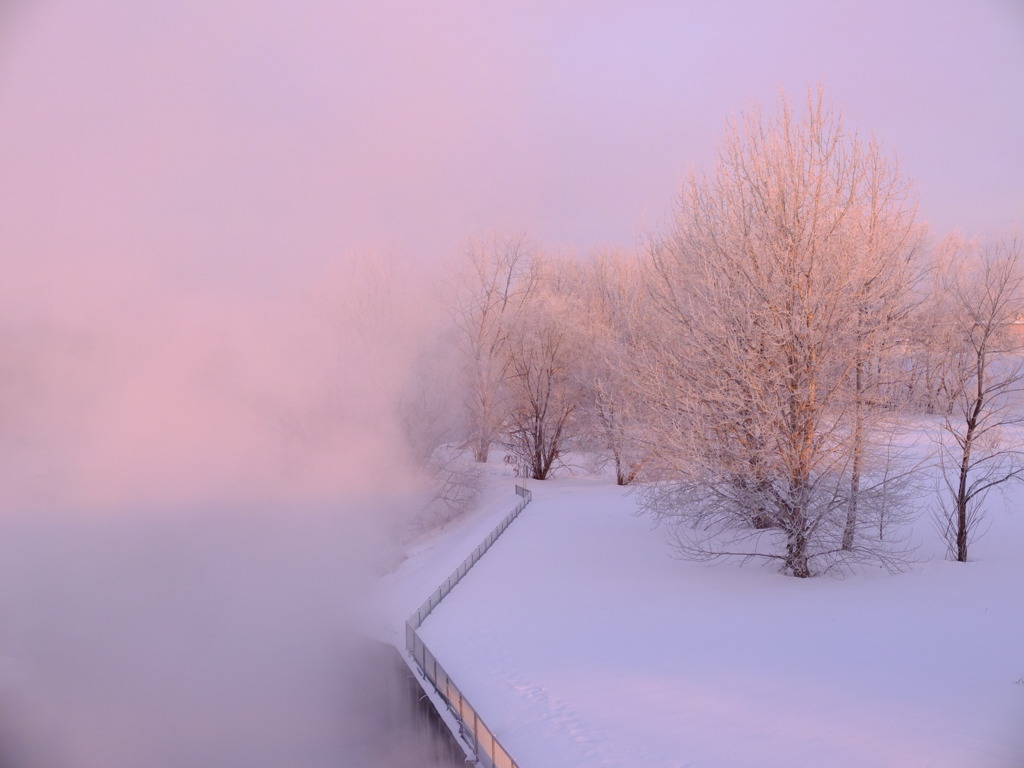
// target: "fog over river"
[[196, 488], [194, 639]]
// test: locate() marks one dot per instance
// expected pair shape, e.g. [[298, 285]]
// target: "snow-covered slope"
[[584, 643]]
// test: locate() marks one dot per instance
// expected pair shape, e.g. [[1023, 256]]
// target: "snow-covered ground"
[[583, 642]]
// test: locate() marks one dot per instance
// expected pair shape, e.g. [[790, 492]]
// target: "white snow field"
[[583, 642]]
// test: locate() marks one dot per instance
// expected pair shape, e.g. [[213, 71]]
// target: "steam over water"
[[207, 638], [192, 502], [195, 489], [196, 485]]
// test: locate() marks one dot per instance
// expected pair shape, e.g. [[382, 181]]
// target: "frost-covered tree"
[[545, 347], [887, 245], [774, 292], [982, 289], [491, 287], [609, 290], [429, 414]]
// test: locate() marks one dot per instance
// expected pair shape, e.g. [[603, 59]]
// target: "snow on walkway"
[[583, 643]]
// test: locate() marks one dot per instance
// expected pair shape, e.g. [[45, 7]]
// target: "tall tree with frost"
[[983, 291], [778, 281], [889, 244], [491, 289], [545, 347], [609, 288]]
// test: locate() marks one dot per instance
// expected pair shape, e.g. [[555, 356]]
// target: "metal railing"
[[485, 745]]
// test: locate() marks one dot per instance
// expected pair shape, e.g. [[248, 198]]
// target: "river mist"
[[196, 489], [210, 638], [201, 368]]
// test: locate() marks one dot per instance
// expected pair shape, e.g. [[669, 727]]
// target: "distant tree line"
[[755, 366]]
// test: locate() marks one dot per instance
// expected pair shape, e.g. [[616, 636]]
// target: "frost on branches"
[[779, 296], [982, 288]]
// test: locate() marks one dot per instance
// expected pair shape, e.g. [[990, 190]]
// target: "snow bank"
[[584, 643]]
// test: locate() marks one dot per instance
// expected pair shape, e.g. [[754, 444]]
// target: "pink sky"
[[177, 179], [239, 141]]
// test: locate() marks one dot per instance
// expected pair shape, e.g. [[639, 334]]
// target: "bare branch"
[[779, 297]]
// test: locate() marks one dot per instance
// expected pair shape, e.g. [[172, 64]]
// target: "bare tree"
[[453, 486], [886, 270], [430, 418], [545, 346], [983, 290], [609, 290], [776, 283], [491, 288], [929, 375]]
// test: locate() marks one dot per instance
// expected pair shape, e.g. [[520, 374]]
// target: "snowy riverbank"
[[584, 643]]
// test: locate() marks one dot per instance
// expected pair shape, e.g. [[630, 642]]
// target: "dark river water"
[[199, 640]]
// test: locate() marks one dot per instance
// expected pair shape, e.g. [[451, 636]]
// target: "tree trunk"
[[961, 497], [962, 532], [796, 555], [858, 449], [482, 449], [620, 478]]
